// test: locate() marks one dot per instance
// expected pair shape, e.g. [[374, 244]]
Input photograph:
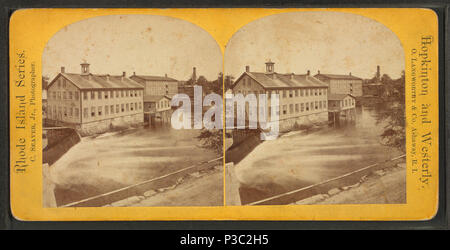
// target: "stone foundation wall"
[[305, 120], [110, 124]]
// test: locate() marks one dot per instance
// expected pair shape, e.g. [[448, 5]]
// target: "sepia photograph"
[[109, 88], [338, 116]]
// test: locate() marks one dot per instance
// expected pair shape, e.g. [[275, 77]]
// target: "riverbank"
[[385, 186], [188, 191]]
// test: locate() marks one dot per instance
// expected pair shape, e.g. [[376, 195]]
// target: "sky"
[[145, 44], [332, 42]]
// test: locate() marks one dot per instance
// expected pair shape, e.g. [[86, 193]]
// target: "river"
[[299, 159], [111, 161]]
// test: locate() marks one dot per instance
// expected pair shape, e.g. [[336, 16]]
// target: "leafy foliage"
[[212, 139], [393, 115]]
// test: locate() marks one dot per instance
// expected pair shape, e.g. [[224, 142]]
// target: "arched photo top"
[[145, 44], [326, 41]]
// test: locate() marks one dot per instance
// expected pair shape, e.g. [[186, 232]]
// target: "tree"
[[393, 115], [212, 139]]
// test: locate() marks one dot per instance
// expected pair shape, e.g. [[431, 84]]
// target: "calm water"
[[115, 160], [301, 159]]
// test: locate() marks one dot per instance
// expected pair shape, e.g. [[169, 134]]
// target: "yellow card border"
[[30, 30]]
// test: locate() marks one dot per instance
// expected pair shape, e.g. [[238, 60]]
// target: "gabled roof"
[[155, 98], [335, 76], [276, 80], [154, 78], [92, 81], [338, 97]]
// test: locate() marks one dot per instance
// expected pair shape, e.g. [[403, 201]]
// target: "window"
[[312, 106], [284, 109], [296, 108], [325, 104], [65, 112], [302, 92], [127, 93], [296, 93], [320, 105], [85, 113], [315, 91], [106, 95], [85, 95], [77, 113], [111, 108], [99, 110], [123, 109], [106, 110], [112, 94], [77, 95], [291, 94], [71, 112], [306, 92], [131, 106], [64, 95], [70, 95], [307, 106], [93, 111], [291, 108], [92, 95], [117, 108], [128, 107], [316, 106], [117, 93], [140, 105], [99, 95], [122, 93], [64, 83], [284, 93], [320, 91], [302, 107]]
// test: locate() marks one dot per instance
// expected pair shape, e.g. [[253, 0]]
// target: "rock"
[[180, 180], [311, 200], [380, 172], [334, 191], [126, 202], [401, 165], [195, 174], [150, 193]]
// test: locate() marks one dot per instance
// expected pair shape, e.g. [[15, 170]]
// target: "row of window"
[[163, 104], [69, 95], [348, 102], [64, 95], [59, 112], [118, 108], [290, 93], [298, 108], [302, 107], [99, 94]]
